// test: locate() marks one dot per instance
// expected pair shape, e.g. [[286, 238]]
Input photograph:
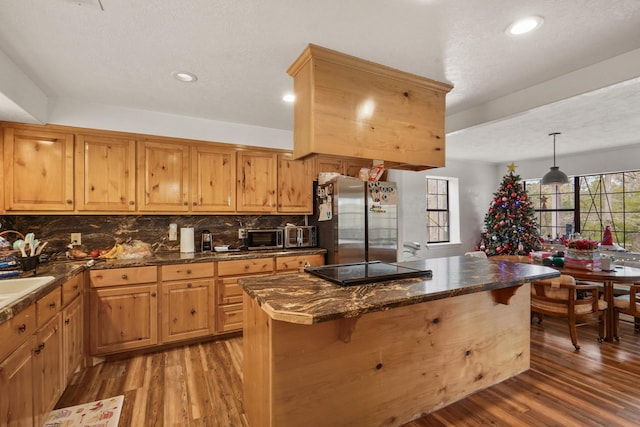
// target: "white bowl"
[[222, 248]]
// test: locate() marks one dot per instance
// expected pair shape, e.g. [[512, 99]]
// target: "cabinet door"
[[257, 181], [47, 362], [105, 174], [352, 166], [38, 170], [229, 303], [16, 383], [163, 176], [295, 186], [72, 339], [326, 164], [288, 264], [187, 309], [123, 318], [213, 179]]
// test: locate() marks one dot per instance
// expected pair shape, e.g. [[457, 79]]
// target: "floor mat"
[[101, 413]]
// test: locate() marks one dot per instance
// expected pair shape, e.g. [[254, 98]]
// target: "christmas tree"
[[510, 226]]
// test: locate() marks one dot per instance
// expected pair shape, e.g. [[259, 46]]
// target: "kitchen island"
[[318, 354]]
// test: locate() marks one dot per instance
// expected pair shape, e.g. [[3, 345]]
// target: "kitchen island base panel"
[[395, 366]]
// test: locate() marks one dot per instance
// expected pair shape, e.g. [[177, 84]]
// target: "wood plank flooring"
[[201, 385]]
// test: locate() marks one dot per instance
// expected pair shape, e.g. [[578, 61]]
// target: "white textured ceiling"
[[503, 105]]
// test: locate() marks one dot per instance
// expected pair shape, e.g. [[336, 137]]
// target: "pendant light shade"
[[555, 176]]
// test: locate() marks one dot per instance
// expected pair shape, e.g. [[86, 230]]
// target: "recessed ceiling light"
[[184, 76], [524, 25], [288, 97]]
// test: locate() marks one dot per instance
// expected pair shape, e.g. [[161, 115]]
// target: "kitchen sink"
[[13, 289]]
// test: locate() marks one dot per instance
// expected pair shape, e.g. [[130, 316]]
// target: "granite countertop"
[[63, 270], [305, 299]]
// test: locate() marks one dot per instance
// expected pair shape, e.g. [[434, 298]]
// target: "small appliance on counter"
[[300, 236], [267, 238], [205, 241]]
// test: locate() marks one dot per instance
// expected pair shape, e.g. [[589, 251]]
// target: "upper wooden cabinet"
[[38, 170], [163, 176], [105, 174], [349, 167], [257, 181], [295, 185], [346, 106], [213, 178]]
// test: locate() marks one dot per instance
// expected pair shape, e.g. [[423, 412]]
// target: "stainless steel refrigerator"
[[357, 221]]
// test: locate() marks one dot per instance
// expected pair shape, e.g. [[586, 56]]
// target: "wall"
[[476, 184]]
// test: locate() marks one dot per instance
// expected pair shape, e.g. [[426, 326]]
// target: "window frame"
[[444, 214]]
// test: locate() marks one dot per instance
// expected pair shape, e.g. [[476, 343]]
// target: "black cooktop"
[[365, 272]]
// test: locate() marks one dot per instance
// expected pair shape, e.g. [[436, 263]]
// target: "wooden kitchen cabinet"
[[16, 383], [123, 309], [256, 181], [229, 293], [293, 263], [38, 170], [213, 179], [72, 338], [344, 166], [187, 301], [123, 318], [105, 178], [47, 361], [163, 176], [295, 185]]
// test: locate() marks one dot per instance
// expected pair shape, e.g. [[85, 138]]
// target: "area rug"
[[101, 413]]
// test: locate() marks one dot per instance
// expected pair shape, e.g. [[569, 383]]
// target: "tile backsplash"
[[102, 231]]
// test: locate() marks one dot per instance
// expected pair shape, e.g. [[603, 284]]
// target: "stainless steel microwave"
[[266, 238], [300, 236]]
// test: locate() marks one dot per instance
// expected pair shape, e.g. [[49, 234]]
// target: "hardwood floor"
[[201, 385]]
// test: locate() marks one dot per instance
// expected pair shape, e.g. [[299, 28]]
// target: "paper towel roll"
[[187, 243]]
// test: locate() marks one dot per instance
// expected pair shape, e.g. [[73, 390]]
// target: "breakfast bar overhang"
[[318, 354]]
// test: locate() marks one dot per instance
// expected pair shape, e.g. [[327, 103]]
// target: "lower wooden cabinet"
[[187, 309], [47, 362], [16, 383], [123, 318], [72, 338], [293, 263]]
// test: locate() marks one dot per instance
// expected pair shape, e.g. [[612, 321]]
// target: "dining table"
[[618, 275]]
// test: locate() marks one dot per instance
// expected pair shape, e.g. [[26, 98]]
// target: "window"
[[588, 204], [437, 210]]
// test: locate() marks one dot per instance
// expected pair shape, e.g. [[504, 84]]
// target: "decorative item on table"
[[608, 263], [583, 254], [607, 243]]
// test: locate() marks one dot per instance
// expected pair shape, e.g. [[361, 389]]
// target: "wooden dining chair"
[[627, 304], [558, 297]]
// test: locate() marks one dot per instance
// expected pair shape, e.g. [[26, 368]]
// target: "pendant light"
[[555, 176]]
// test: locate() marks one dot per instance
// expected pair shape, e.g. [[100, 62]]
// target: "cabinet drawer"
[[123, 276], [298, 261], [17, 330], [230, 318], [48, 306], [245, 266], [228, 290], [71, 289], [186, 271]]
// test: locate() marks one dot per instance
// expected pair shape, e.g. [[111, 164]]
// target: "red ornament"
[[509, 185], [499, 249], [502, 223], [495, 227], [514, 195]]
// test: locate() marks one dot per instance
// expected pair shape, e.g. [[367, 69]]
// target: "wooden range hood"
[[350, 107]]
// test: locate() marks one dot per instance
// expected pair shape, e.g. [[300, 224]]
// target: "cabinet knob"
[[189, 285], [52, 305], [153, 294], [66, 321], [195, 203], [39, 348], [69, 201], [125, 277], [185, 203], [75, 287], [193, 311], [131, 202], [188, 271], [22, 328]]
